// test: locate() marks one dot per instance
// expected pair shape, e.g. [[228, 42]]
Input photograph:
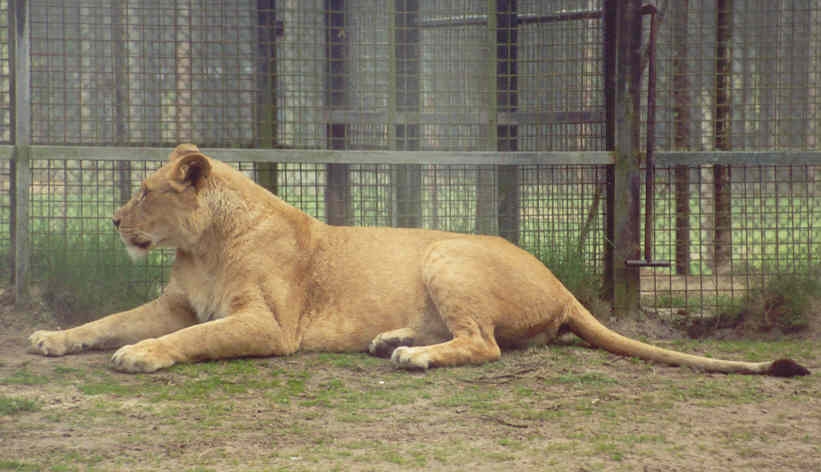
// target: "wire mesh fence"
[[363, 74], [76, 256], [774, 226], [738, 75], [5, 75], [5, 217], [147, 72], [734, 76], [77, 253], [414, 76]]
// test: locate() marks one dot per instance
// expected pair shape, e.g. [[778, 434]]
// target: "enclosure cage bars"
[[649, 163], [501, 14], [24, 152]]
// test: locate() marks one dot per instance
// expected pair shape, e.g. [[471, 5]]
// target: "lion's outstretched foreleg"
[[239, 335], [156, 318]]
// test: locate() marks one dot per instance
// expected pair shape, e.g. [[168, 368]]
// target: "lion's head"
[[165, 212]]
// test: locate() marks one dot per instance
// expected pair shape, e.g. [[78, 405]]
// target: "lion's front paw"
[[411, 357], [49, 343], [146, 356]]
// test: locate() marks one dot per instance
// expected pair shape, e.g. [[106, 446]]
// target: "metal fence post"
[[21, 129]]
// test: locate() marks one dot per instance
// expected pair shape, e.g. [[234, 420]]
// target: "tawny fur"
[[254, 276]]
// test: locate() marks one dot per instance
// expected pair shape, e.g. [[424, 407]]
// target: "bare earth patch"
[[563, 407]]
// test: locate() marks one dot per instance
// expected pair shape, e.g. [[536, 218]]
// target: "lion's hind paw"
[[411, 358], [384, 344]]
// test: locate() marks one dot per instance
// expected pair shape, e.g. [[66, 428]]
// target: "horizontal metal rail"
[[663, 158], [477, 117], [522, 18], [105, 153], [737, 158]]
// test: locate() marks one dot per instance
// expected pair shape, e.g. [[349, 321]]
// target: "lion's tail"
[[586, 326]]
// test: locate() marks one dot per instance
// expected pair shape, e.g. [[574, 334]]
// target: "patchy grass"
[[24, 376], [537, 408], [559, 407], [18, 466], [13, 405], [783, 302]]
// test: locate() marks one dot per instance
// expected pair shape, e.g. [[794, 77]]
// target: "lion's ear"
[[190, 170], [182, 150]]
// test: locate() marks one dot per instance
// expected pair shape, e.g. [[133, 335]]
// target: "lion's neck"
[[236, 219]]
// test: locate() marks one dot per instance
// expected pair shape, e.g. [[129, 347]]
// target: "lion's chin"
[[136, 253]]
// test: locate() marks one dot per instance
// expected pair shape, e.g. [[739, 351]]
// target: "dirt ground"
[[564, 407]]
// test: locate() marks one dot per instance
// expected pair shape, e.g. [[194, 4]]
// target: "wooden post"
[[507, 99], [609, 80], [681, 138], [21, 166], [338, 203], [723, 132], [266, 103], [486, 211], [626, 178], [404, 96], [183, 55], [118, 36]]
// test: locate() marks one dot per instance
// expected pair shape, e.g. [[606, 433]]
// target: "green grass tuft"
[[13, 405], [784, 301], [568, 265], [93, 275], [24, 377], [18, 466]]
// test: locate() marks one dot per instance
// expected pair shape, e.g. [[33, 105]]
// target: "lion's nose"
[[116, 222]]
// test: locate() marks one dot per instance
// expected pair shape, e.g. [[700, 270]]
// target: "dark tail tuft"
[[787, 368]]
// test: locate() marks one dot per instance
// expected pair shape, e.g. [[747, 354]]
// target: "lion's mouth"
[[136, 241], [137, 247], [144, 245]]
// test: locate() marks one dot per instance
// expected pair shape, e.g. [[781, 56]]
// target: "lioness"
[[254, 276]]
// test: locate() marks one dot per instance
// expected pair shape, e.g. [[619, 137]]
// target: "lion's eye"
[[143, 194]]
